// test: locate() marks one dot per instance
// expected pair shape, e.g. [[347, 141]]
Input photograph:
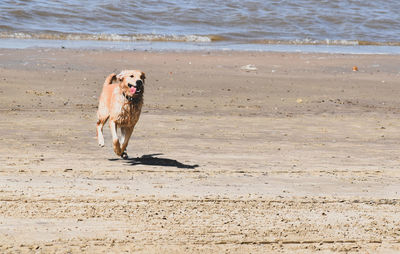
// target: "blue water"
[[229, 24]]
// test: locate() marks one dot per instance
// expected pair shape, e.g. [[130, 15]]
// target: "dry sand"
[[300, 154]]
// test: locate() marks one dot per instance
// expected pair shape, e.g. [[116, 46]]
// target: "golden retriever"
[[121, 102]]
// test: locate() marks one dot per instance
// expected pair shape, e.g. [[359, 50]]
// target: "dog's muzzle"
[[136, 89], [138, 86]]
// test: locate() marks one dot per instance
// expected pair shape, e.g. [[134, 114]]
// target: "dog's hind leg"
[[116, 144], [99, 128], [126, 135]]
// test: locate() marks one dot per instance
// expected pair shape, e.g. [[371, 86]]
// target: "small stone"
[[249, 67]]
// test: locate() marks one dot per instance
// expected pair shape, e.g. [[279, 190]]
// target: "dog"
[[121, 103]]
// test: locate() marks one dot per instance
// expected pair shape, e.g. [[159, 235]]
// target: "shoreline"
[[155, 46]]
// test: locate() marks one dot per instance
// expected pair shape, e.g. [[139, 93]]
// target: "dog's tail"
[[110, 79]]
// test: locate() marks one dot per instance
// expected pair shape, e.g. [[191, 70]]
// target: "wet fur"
[[122, 113]]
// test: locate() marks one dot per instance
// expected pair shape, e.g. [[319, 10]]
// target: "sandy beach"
[[237, 152]]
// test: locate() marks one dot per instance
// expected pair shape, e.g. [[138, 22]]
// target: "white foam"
[[107, 37]]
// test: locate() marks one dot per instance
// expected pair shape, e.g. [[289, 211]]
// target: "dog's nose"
[[139, 83]]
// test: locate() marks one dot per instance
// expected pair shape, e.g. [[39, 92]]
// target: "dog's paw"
[[124, 156], [101, 142]]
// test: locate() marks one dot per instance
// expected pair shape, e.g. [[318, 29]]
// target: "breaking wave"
[[182, 38], [110, 37]]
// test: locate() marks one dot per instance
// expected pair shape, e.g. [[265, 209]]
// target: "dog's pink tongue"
[[133, 89]]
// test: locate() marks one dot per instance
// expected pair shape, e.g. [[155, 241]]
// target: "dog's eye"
[[131, 76]]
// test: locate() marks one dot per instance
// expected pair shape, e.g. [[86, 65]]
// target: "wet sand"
[[299, 154]]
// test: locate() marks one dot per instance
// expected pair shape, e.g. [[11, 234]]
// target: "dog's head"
[[131, 83]]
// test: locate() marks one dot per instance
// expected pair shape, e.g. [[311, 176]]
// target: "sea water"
[[348, 26]]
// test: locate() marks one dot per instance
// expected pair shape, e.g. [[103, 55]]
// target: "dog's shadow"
[[152, 160]]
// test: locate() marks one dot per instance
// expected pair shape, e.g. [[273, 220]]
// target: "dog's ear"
[[110, 79]]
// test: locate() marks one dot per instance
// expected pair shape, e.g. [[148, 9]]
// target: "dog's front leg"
[[127, 132], [116, 144], [99, 128], [122, 137]]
